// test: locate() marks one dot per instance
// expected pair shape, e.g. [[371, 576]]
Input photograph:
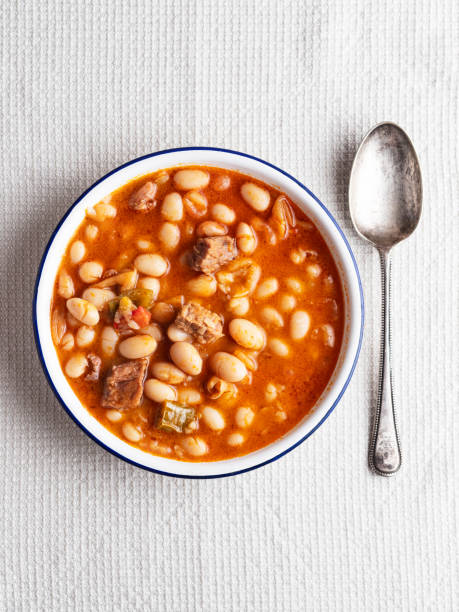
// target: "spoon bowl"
[[385, 203], [385, 190]]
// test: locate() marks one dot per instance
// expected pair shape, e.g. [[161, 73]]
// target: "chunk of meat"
[[210, 254], [94, 362], [124, 385], [203, 325], [143, 200]]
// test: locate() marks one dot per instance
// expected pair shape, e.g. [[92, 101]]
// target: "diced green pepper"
[[174, 417], [140, 297]]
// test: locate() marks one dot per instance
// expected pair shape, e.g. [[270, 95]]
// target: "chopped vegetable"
[[126, 305], [141, 316], [123, 321], [174, 417], [140, 297]]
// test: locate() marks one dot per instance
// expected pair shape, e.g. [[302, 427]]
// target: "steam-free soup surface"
[[197, 313]]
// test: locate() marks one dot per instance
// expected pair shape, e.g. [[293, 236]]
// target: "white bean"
[[67, 342], [246, 238], [65, 286], [272, 317], [270, 392], [267, 288], [255, 196], [85, 336], [287, 302], [248, 358], [144, 245], [313, 271], [159, 391], [202, 285], [151, 264], [137, 347], [191, 179], [101, 211], [172, 207], [227, 366], [153, 330], [235, 439], [295, 285], [211, 228], [161, 177], [213, 418], [194, 446], [58, 325], [221, 182], [131, 433], [265, 229], [163, 312], [77, 251], [244, 416], [109, 340], [114, 416], [76, 366], [189, 396], [148, 282], [169, 235], [167, 372], [83, 311], [90, 271], [298, 256], [195, 203], [223, 214], [175, 334], [247, 334], [72, 321], [98, 297], [328, 334], [299, 324], [91, 232], [218, 388], [186, 357], [278, 347], [105, 211], [239, 306]]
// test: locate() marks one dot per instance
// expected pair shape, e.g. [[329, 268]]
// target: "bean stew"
[[197, 313]]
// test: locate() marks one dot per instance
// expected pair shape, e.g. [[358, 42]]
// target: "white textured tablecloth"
[[87, 85]]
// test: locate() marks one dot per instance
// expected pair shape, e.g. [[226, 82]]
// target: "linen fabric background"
[[88, 85]]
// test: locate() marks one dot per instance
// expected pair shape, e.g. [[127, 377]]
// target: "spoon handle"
[[385, 457]]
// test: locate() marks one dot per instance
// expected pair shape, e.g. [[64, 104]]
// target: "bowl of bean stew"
[[198, 312]]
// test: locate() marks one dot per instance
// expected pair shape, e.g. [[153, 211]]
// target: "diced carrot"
[[141, 316]]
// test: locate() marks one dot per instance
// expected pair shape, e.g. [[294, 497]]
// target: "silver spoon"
[[385, 201]]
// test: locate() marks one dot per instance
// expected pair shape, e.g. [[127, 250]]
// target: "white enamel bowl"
[[329, 229]]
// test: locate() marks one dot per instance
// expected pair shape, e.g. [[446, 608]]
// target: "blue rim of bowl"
[[70, 413]]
